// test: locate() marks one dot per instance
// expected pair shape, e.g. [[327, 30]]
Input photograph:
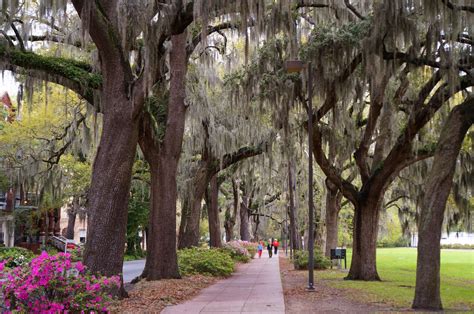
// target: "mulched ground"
[[324, 299], [153, 296]]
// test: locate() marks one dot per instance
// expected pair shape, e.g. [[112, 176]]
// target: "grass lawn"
[[397, 268]]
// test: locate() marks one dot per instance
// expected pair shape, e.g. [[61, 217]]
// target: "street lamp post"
[[298, 66]]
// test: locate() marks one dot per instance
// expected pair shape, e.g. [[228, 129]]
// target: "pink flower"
[[80, 267]]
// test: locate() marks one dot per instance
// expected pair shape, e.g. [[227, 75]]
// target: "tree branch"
[[68, 73], [377, 97], [353, 10], [17, 34], [268, 216], [452, 6], [210, 30], [306, 4], [401, 152]]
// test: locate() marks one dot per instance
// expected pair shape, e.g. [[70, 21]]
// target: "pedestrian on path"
[[269, 248], [260, 249], [276, 244]]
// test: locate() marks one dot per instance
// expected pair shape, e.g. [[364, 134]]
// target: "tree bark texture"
[[71, 215], [112, 170], [230, 219], [437, 188], [366, 218], [295, 239], [162, 260], [190, 219], [244, 220], [333, 206], [110, 187], [213, 214]]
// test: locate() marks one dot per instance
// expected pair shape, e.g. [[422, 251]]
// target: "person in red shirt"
[[276, 244]]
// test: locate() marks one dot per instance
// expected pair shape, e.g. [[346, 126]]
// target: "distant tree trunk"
[[230, 219], [366, 218], [71, 215], [244, 220], [257, 225], [71, 223], [162, 260], [189, 228], [213, 214], [333, 206], [437, 189], [295, 239], [10, 201]]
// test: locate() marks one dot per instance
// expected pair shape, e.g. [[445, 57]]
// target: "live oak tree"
[[358, 77], [436, 191]]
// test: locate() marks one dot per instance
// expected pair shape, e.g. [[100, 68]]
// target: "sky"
[[8, 84]]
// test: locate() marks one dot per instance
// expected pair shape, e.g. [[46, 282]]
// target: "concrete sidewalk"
[[255, 287]]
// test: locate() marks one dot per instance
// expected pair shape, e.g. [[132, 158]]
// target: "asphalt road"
[[132, 269]]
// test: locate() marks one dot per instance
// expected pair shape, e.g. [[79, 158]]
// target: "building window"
[[82, 235]]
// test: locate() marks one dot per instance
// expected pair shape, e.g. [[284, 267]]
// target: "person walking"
[[269, 248], [260, 249], [276, 244]]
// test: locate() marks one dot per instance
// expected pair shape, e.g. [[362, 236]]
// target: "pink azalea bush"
[[239, 250], [251, 247], [52, 283]]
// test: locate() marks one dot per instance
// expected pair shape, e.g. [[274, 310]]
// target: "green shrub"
[[76, 253], [208, 262], [458, 246], [235, 255], [250, 246], [399, 242], [300, 260], [51, 250], [15, 256], [252, 251]]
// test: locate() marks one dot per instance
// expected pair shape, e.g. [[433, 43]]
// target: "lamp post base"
[[310, 288]]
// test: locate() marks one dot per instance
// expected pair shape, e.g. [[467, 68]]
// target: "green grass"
[[397, 269]]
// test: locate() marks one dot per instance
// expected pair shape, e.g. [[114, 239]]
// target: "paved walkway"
[[255, 287]]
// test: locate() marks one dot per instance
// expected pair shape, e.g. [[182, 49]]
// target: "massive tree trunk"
[[111, 176], [333, 206], [295, 239], [213, 214], [366, 218], [189, 228], [437, 189], [162, 259], [110, 187], [244, 220]]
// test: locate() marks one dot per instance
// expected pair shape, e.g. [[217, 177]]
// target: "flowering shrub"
[[251, 247], [52, 283], [237, 250]]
